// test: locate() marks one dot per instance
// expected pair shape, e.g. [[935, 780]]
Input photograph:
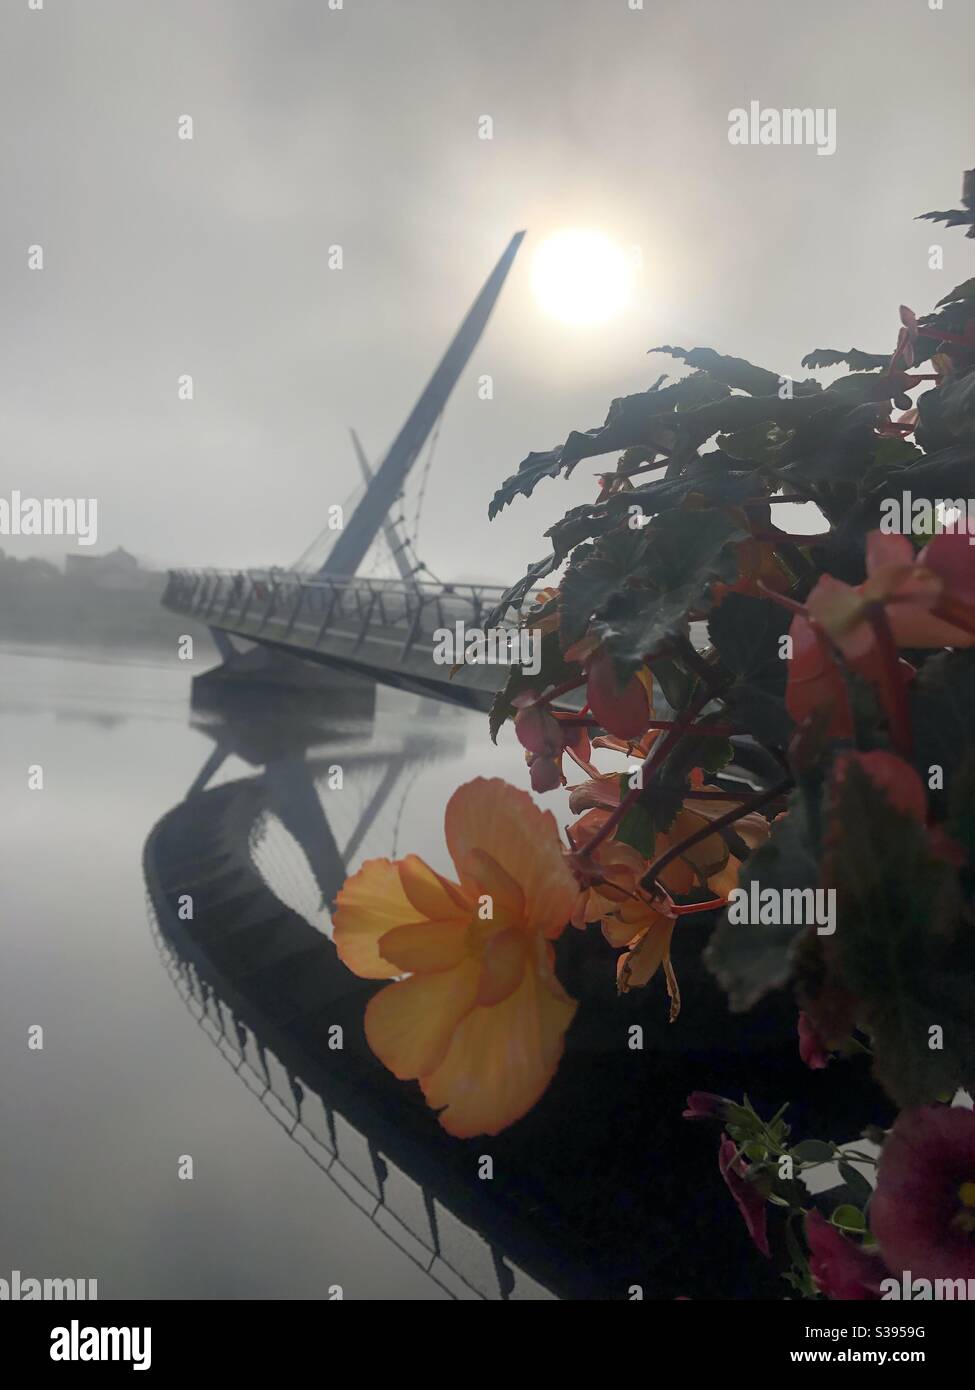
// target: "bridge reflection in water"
[[602, 1185], [260, 860]]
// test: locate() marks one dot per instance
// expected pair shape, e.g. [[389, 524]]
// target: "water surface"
[[95, 1123]]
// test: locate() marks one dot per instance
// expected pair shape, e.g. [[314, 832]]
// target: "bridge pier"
[[281, 684]]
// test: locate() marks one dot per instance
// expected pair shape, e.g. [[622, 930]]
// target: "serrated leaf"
[[942, 701], [856, 360], [735, 372], [644, 420], [595, 573], [683, 556], [553, 670], [746, 633], [515, 595], [964, 291], [760, 444], [750, 960], [637, 830], [903, 951]]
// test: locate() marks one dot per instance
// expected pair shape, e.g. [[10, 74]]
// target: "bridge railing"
[[311, 609]]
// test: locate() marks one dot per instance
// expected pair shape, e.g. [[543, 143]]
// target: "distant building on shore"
[[116, 570]]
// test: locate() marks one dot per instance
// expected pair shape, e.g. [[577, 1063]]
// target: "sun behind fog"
[[581, 277]]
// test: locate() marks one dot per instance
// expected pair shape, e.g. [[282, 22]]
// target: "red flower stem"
[[798, 608], [562, 689], [687, 909], [753, 803], [893, 693]]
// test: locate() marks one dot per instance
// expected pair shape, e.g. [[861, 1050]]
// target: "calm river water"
[[95, 1122]]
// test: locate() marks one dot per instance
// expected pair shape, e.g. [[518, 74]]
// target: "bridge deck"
[[380, 628]]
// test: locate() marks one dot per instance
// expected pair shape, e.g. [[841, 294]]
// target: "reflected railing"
[[403, 1210], [255, 971]]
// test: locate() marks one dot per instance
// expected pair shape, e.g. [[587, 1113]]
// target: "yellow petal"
[[721, 884], [409, 1025], [708, 856], [507, 899], [502, 965], [369, 905], [640, 965], [501, 1059], [433, 896], [425, 946], [493, 816], [753, 829], [619, 933]]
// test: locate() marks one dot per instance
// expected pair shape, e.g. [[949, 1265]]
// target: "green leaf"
[[713, 477], [954, 217], [553, 670], [859, 1187], [675, 681], [849, 1218], [637, 828], [730, 371], [856, 360], [532, 469], [682, 558], [595, 573], [903, 951], [942, 701], [813, 1151], [641, 421], [760, 444], [746, 633], [960, 823], [965, 291], [750, 960], [515, 596]]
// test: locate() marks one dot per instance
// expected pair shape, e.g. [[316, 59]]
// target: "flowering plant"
[[792, 715]]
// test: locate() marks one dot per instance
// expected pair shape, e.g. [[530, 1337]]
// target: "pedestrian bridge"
[[378, 628], [322, 610]]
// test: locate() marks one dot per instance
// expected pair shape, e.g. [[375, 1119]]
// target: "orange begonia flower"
[[480, 1021], [611, 892], [929, 598]]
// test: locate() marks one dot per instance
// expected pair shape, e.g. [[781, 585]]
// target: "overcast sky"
[[359, 127]]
